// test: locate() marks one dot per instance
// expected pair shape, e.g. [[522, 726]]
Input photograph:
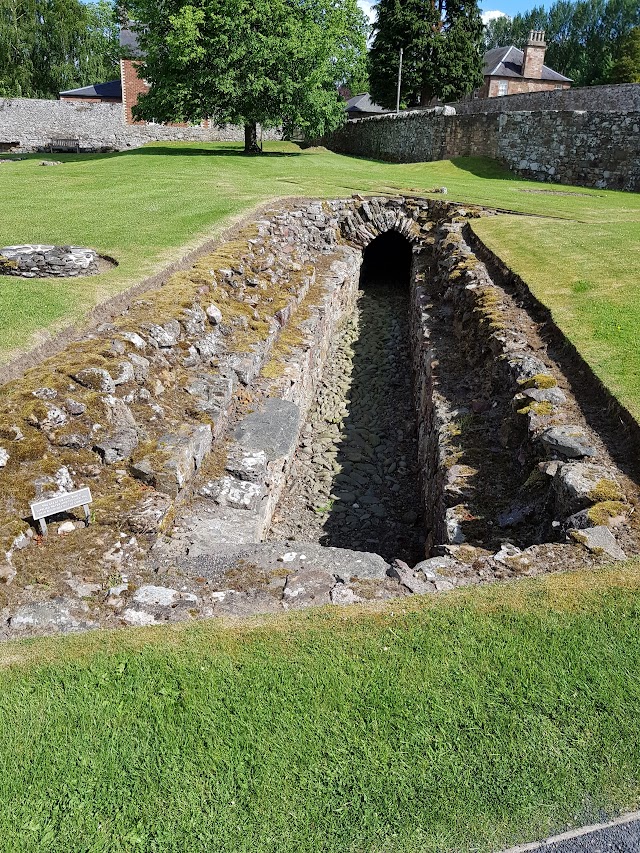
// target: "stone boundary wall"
[[619, 98], [32, 123], [581, 148]]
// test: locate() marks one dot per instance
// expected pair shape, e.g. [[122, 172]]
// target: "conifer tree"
[[459, 51], [441, 42], [412, 25]]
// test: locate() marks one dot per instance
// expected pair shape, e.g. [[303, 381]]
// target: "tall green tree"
[[626, 68], [413, 26], [50, 45], [459, 50], [441, 42], [250, 62]]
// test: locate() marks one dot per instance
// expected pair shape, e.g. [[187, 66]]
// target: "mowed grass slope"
[[464, 723], [142, 206], [593, 289]]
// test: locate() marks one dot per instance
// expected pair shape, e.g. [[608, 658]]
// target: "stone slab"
[[274, 429], [342, 563]]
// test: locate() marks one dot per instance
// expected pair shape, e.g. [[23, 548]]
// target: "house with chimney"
[[510, 71]]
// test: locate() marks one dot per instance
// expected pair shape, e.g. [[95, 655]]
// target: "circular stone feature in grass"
[[39, 261]]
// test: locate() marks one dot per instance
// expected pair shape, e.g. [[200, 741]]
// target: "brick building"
[[510, 71], [132, 84]]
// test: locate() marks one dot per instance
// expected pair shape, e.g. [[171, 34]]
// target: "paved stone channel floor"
[[354, 482]]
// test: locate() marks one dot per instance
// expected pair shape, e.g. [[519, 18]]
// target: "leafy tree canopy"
[[442, 55], [626, 69], [268, 62], [47, 46], [584, 37]]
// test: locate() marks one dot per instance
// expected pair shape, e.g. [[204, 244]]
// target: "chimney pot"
[[536, 38]]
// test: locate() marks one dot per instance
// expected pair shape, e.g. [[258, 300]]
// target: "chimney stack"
[[533, 59]]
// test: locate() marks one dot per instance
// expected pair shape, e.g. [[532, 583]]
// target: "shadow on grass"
[[154, 150], [227, 151], [484, 167]]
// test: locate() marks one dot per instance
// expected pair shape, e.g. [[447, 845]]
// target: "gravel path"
[[354, 480], [620, 836]]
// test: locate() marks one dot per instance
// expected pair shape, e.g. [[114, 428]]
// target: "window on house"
[[559, 86], [503, 87]]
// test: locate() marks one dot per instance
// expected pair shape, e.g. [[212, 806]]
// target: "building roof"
[[508, 61], [111, 89], [362, 103]]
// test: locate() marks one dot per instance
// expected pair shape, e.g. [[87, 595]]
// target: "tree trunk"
[[251, 139]]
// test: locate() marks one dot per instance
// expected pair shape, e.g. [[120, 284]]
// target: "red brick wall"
[[533, 61], [132, 87], [518, 87]]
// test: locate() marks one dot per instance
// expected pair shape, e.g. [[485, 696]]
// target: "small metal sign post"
[[61, 503]]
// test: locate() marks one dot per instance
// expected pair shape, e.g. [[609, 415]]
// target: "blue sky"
[[490, 8]]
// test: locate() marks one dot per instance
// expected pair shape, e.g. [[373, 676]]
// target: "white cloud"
[[491, 16], [367, 8]]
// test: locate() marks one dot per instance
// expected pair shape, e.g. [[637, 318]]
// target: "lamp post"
[[399, 82]]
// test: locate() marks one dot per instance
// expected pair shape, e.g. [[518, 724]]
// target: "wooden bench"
[[72, 145]]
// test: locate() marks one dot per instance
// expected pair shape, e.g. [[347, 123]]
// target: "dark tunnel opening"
[[387, 260]]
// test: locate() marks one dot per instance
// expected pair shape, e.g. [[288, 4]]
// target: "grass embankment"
[[141, 206], [463, 723], [588, 274]]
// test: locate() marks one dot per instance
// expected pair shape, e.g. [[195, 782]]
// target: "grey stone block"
[[274, 429]]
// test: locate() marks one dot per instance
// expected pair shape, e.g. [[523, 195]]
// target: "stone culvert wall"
[[553, 473], [32, 123], [620, 98], [37, 261], [592, 149]]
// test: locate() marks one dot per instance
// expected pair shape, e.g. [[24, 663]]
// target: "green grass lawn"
[[141, 206], [593, 290], [464, 723]]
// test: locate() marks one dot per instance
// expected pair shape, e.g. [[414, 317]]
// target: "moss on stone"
[[115, 505], [273, 369], [9, 530], [33, 446], [606, 490], [214, 465], [542, 408], [602, 512], [578, 536], [540, 380], [536, 480]]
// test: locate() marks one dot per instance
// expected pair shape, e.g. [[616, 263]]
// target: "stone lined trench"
[[355, 479], [341, 405]]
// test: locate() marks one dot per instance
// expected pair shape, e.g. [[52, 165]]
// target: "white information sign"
[[61, 503]]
